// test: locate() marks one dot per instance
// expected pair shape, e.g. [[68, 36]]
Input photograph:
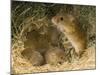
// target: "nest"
[[27, 17]]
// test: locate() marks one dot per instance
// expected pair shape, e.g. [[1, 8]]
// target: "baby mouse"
[[34, 57], [55, 56]]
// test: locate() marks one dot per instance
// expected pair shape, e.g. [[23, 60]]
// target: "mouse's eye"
[[61, 18]]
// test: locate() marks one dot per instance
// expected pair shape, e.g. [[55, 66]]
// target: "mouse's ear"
[[62, 11], [71, 17], [74, 19]]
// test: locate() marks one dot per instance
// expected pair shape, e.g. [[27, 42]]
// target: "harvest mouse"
[[69, 25]]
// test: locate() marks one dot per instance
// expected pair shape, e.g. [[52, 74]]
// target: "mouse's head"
[[65, 21]]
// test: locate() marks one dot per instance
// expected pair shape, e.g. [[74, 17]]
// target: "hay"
[[87, 62], [37, 16]]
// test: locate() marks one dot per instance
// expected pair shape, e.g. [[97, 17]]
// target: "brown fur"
[[70, 27], [55, 55], [34, 57]]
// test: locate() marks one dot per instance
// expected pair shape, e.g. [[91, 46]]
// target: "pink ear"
[[71, 17]]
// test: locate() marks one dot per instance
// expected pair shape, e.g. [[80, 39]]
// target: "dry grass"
[[28, 16], [86, 62]]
